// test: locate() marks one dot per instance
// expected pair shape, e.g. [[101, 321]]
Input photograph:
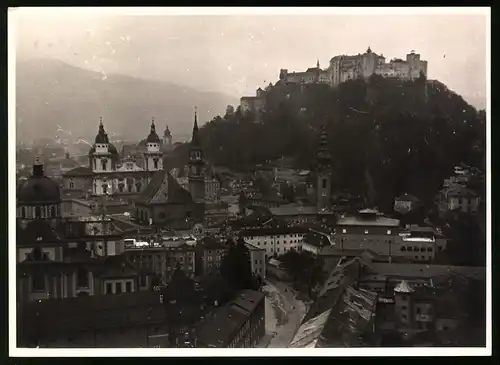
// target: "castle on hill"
[[341, 69]]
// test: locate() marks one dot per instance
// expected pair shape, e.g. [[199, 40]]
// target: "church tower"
[[196, 175], [153, 156], [323, 172], [100, 152], [167, 139]]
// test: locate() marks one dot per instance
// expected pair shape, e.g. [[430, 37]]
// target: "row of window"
[[344, 230], [120, 287], [416, 249], [279, 242], [39, 212]]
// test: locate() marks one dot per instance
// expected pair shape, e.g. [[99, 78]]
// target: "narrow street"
[[283, 315]]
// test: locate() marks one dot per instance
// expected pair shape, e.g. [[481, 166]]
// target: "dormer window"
[[388, 231]]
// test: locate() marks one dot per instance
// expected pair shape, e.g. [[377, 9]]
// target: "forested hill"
[[386, 136]]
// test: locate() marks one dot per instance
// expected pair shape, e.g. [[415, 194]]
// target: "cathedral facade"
[[108, 174]]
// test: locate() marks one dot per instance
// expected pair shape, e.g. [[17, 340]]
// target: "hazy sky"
[[236, 54]]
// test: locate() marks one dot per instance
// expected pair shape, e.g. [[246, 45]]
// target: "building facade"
[[275, 241], [361, 66], [64, 258], [257, 260]]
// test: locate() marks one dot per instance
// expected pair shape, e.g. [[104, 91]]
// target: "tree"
[[236, 267]]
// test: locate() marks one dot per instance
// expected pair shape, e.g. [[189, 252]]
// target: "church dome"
[[153, 136], [38, 188]]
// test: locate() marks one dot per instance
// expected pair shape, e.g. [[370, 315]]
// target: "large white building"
[[381, 235], [110, 175], [343, 68], [275, 241]]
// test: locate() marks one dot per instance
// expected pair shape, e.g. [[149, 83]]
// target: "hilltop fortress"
[[343, 68]]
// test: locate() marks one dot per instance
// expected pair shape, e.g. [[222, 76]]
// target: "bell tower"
[[323, 172], [153, 156], [196, 164]]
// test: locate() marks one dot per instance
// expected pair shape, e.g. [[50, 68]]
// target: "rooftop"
[[404, 270], [294, 210], [219, 328], [376, 221], [272, 231]]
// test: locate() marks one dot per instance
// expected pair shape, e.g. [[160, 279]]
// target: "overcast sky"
[[236, 54]]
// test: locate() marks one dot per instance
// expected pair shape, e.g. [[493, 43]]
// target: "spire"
[[317, 63], [369, 50], [195, 138], [153, 136], [102, 136], [38, 167]]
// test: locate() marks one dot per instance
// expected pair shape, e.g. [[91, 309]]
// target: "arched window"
[[105, 188], [71, 185], [104, 164], [138, 186], [155, 163], [53, 212], [38, 212], [23, 212], [82, 278]]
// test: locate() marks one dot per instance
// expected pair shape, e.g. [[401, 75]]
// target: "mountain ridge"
[[52, 93]]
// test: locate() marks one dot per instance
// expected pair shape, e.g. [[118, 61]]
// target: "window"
[[344, 230], [118, 287], [38, 282], [403, 249], [429, 249], [38, 212], [105, 188], [104, 164], [418, 310], [82, 278], [109, 288], [324, 183], [128, 287], [53, 212], [23, 212], [388, 231], [366, 231], [155, 162], [410, 249], [71, 185]]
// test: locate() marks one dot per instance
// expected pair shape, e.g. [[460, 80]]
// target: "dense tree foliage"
[[303, 268], [386, 136], [236, 267]]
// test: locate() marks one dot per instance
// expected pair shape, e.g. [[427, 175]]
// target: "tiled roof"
[[219, 328], [350, 319], [426, 271], [309, 332], [163, 189], [79, 171], [272, 231], [378, 221]]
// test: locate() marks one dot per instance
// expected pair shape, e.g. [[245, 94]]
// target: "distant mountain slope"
[[51, 93]]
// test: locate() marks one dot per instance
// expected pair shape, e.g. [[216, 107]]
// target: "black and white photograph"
[[249, 181]]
